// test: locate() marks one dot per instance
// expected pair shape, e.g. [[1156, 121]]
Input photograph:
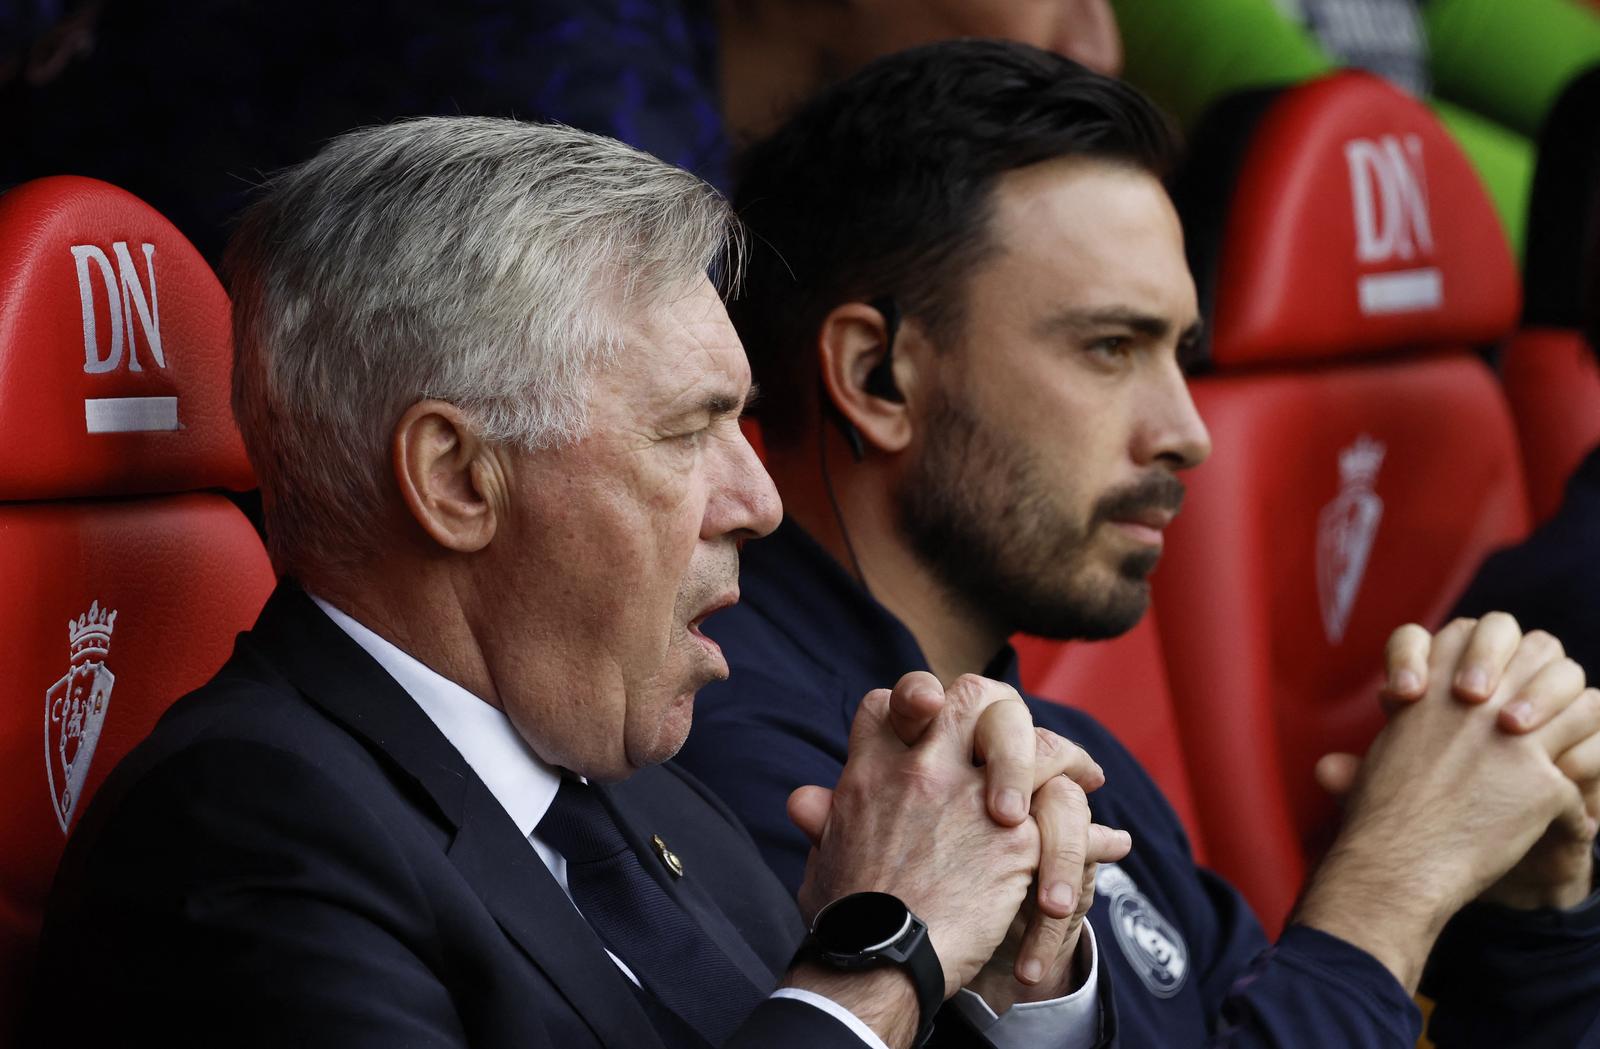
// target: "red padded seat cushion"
[[1339, 503], [1552, 380], [1356, 226], [112, 611], [1122, 683], [115, 350]]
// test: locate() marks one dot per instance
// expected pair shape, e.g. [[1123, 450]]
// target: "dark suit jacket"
[[297, 857]]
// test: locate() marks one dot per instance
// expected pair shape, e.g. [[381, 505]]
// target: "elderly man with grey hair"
[[492, 398]]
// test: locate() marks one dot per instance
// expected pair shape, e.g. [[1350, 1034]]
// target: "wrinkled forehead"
[[677, 350]]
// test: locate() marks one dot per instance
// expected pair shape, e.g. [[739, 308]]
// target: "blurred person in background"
[[188, 104]]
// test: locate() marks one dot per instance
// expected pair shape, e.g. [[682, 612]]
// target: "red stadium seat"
[[125, 578], [1123, 684], [1365, 459]]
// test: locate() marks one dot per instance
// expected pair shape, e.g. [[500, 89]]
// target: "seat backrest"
[[1123, 684], [1364, 458], [1552, 381], [126, 573], [1549, 370]]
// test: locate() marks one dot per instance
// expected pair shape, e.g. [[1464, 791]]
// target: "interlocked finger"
[[1005, 741], [1578, 722], [1545, 694], [1495, 640], [916, 700], [1062, 811], [1056, 755], [1406, 665]]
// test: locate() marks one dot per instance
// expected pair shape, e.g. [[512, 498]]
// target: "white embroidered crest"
[[1151, 944], [1345, 531], [75, 709]]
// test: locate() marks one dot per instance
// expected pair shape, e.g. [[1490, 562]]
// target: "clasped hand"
[[952, 800], [1532, 692]]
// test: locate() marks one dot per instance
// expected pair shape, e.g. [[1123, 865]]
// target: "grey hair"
[[485, 262]]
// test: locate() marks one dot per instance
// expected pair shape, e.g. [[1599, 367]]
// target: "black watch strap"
[[909, 947]]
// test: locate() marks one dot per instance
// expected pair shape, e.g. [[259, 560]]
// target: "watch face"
[[861, 922]]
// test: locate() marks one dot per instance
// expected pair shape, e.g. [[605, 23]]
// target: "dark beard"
[[979, 516]]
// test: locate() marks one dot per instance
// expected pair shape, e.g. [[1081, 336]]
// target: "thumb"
[[1336, 773], [808, 810]]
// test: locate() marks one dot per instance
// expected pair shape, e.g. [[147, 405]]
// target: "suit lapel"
[[634, 823], [338, 676], [531, 907]]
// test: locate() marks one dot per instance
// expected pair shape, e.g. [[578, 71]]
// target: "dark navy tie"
[[640, 921]]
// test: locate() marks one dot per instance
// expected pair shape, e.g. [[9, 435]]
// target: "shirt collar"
[[486, 739], [796, 584]]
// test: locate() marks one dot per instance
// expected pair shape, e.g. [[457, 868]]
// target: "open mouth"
[[725, 600]]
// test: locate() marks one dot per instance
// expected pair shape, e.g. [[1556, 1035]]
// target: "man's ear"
[[448, 477], [851, 344]]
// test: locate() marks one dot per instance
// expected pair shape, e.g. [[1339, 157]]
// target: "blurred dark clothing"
[[1551, 581], [188, 105]]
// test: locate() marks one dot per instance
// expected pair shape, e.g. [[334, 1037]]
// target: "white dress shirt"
[[525, 786]]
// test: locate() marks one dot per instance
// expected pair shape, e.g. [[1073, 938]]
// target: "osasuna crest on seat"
[[1152, 945], [1345, 531], [75, 709]]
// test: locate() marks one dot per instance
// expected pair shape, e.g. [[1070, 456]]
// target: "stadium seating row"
[[1366, 460]]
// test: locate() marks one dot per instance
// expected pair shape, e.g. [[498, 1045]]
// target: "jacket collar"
[[798, 586]]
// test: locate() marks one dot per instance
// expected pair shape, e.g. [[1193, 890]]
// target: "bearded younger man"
[[492, 400], [966, 309]]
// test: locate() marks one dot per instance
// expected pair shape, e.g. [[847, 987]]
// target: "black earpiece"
[[879, 381]]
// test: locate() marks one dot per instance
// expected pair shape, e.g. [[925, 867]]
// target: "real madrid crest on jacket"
[[1187, 961]]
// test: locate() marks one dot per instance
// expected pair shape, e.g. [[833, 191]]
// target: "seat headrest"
[[115, 350], [1353, 226]]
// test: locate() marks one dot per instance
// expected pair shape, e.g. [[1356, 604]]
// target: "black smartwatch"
[[868, 929]]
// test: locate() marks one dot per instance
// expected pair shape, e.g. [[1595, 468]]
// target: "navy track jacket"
[[1188, 963]]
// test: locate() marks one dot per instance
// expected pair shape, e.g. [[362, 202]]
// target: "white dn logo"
[[1389, 196], [131, 302], [1388, 189], [128, 301]]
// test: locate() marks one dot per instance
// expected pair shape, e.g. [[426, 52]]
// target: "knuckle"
[[1573, 767], [970, 683], [1588, 704], [1060, 793], [1050, 934], [1071, 849], [925, 776], [965, 692], [1543, 643], [1500, 621], [1407, 637]]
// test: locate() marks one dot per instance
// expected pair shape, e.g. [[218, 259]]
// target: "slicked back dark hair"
[[883, 185]]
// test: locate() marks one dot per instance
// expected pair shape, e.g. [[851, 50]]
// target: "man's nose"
[[1171, 430], [747, 506]]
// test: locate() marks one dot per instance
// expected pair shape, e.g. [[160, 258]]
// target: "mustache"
[[1158, 491]]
